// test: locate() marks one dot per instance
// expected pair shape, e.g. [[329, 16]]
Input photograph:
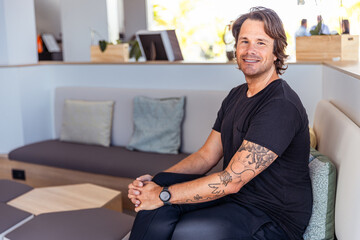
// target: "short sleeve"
[[218, 121], [274, 126], [221, 112]]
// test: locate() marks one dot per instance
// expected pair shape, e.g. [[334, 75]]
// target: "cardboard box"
[[112, 53], [327, 47]]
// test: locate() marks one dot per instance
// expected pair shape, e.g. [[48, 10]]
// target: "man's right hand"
[[135, 188]]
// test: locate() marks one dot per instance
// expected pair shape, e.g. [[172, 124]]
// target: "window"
[[201, 24]]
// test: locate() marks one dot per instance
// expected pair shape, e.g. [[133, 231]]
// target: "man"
[[264, 191], [302, 31], [321, 27]]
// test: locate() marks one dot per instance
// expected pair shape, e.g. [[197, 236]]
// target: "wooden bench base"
[[44, 176]]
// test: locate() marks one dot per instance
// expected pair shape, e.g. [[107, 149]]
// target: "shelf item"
[[327, 47], [112, 53]]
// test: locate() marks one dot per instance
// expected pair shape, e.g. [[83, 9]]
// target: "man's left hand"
[[149, 197]]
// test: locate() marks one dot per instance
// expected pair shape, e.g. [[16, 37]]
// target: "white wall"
[[35, 89], [47, 14], [3, 35], [25, 106], [305, 79], [343, 91], [17, 32], [48, 18], [26, 93], [77, 19], [11, 130], [135, 14], [121, 18]]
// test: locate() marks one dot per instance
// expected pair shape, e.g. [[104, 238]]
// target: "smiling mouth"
[[251, 61]]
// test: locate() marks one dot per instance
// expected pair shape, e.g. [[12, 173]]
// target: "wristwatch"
[[165, 196]]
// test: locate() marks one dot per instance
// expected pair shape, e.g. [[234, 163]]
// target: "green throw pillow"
[[157, 124], [323, 179]]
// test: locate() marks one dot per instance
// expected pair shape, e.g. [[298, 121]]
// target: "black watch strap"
[[165, 196]]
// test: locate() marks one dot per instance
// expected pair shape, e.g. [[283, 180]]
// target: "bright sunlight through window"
[[202, 25]]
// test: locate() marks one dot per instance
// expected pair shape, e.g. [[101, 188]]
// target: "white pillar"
[[135, 14], [17, 32], [78, 18]]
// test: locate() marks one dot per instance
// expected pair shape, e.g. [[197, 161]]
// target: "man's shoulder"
[[285, 96], [283, 89], [238, 87], [235, 91], [289, 93]]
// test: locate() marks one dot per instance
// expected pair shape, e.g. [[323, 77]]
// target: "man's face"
[[254, 52]]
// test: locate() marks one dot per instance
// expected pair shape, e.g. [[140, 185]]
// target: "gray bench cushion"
[[10, 217], [99, 223], [11, 189], [114, 161]]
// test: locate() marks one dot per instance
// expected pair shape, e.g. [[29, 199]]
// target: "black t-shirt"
[[276, 119]]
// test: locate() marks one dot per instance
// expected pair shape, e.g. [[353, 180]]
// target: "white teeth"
[[251, 61]]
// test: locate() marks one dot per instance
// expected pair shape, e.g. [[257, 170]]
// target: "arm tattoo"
[[225, 178], [198, 197], [257, 157], [216, 190], [244, 168], [260, 156]]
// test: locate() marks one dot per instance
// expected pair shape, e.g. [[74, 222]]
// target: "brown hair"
[[345, 26], [303, 21], [273, 27]]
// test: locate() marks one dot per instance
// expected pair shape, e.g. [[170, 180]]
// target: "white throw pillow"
[[87, 122]]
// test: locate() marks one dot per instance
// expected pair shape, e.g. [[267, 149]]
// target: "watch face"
[[164, 196]]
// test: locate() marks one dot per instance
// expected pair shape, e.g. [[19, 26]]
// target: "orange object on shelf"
[[40, 44]]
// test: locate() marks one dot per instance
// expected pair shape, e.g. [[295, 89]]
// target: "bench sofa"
[[338, 138], [55, 162]]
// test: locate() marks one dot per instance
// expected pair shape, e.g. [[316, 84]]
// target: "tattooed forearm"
[[199, 198], [225, 178], [216, 188], [248, 162]]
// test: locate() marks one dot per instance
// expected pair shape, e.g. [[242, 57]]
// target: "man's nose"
[[251, 49]]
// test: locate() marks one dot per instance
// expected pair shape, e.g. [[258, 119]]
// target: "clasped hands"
[[144, 193]]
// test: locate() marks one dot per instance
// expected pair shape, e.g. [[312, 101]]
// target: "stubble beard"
[[254, 72]]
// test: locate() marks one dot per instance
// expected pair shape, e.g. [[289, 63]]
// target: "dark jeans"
[[214, 220]]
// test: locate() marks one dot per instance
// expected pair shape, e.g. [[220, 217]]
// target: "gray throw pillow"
[[157, 124], [323, 180], [87, 122]]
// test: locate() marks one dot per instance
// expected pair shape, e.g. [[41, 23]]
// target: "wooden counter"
[[349, 67]]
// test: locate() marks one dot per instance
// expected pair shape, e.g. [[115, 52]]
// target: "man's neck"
[[255, 85]]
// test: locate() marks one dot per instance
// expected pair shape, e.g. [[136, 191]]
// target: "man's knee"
[[203, 228], [155, 224]]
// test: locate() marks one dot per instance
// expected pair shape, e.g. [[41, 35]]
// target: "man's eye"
[[261, 43]]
